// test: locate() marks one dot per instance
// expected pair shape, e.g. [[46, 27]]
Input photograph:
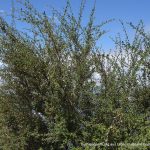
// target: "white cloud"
[[96, 78], [2, 11], [147, 28]]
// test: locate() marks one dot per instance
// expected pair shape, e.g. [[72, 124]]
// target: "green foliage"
[[49, 97]]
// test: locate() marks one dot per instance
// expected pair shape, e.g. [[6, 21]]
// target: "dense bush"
[[59, 91]]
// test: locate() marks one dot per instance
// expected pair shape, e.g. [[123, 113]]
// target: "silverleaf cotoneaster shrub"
[[58, 90]]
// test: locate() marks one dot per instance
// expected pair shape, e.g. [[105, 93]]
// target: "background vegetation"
[[60, 91]]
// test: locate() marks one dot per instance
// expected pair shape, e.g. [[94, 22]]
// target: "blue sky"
[[126, 10]]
